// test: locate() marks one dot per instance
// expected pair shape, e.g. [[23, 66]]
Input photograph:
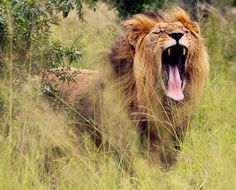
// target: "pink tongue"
[[174, 90]]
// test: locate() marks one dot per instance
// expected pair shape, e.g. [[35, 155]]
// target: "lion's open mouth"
[[173, 71]]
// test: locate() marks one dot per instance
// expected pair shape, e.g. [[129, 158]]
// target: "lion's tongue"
[[174, 90]]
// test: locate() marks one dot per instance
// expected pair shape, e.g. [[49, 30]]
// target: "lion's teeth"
[[184, 51], [168, 51]]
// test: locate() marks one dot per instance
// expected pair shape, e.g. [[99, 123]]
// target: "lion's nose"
[[176, 35]]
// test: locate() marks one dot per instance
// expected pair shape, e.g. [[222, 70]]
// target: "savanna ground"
[[43, 151]]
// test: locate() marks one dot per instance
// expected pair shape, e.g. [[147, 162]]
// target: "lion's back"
[[71, 84]]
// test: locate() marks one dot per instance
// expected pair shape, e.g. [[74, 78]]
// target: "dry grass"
[[96, 33], [46, 152]]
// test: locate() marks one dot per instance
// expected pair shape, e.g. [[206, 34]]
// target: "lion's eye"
[[158, 32], [186, 31]]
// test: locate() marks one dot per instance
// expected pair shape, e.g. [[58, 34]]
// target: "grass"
[[96, 33], [45, 152]]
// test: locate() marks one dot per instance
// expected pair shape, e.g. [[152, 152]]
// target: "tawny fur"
[[162, 121], [70, 91]]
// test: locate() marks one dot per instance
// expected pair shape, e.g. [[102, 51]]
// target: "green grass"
[[45, 152]]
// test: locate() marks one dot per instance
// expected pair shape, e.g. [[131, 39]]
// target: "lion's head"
[[160, 54]]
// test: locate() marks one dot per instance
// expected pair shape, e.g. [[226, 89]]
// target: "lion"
[[161, 66]]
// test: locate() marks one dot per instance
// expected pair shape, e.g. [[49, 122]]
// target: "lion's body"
[[83, 81], [137, 69]]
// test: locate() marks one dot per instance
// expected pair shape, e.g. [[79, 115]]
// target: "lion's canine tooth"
[[184, 51], [168, 51]]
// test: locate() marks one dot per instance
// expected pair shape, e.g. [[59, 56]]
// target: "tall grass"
[[96, 33], [46, 152]]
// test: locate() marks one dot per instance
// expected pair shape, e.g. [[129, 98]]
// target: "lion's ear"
[[138, 26], [133, 36], [194, 26]]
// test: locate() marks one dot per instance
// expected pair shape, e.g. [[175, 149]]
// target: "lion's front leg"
[[160, 143], [170, 144]]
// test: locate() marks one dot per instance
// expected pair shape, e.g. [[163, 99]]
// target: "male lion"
[[161, 65]]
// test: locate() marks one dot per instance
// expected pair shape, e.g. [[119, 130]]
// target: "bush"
[[26, 24]]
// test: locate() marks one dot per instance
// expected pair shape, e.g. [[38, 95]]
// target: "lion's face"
[[160, 54], [169, 44]]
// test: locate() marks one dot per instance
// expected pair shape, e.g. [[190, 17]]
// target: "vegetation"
[[40, 148], [129, 7]]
